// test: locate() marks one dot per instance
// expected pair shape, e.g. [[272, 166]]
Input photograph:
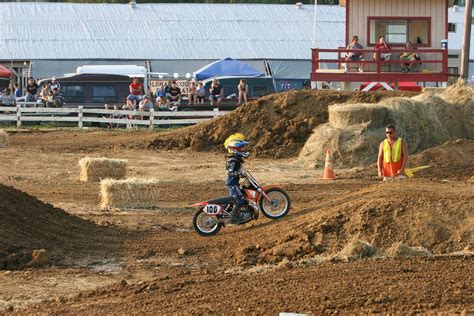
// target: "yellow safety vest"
[[393, 153]]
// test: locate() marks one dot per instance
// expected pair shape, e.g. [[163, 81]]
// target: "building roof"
[[183, 31]]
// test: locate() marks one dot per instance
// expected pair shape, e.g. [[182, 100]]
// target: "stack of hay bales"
[[97, 169], [3, 139], [129, 194], [354, 131]]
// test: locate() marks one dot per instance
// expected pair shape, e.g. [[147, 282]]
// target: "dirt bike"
[[214, 214]]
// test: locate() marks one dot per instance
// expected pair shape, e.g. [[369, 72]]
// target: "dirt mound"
[[441, 222], [277, 125], [451, 160], [354, 132], [33, 233]]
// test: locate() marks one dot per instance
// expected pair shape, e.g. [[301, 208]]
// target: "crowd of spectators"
[[49, 95], [408, 55]]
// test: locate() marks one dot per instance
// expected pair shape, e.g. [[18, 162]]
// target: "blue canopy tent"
[[226, 67]]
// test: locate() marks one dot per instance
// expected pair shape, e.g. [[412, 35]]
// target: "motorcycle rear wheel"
[[205, 225], [278, 206]]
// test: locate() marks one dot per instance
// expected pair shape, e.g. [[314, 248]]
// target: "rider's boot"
[[235, 215]]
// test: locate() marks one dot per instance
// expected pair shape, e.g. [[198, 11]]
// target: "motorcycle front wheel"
[[278, 204], [205, 225]]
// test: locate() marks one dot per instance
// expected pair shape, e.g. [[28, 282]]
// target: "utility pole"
[[467, 40]]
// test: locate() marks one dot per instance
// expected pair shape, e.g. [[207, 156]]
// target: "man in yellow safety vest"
[[393, 155]]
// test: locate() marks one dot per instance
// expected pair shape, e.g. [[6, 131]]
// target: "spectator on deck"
[[393, 155], [18, 94], [160, 95], [216, 92], [381, 45], [354, 56], [192, 92], [54, 85], [243, 89], [8, 99], [145, 104], [136, 91], [174, 95], [31, 90], [409, 56], [200, 92]]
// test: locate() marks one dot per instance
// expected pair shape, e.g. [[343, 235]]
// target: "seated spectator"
[[160, 95], [216, 92], [18, 94], [8, 99], [243, 89], [355, 56], [192, 92], [129, 106], [200, 92], [145, 104], [49, 99], [44, 94], [174, 94], [31, 90], [136, 91], [54, 84], [381, 45], [409, 56], [58, 99]]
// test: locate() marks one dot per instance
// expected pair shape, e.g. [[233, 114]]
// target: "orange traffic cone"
[[328, 171]]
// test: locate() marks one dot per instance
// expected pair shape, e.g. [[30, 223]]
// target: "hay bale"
[[354, 114], [3, 139], [358, 249], [400, 249], [96, 169], [130, 193], [355, 146], [459, 93]]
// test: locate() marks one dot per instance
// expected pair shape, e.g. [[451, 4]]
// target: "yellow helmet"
[[235, 144]]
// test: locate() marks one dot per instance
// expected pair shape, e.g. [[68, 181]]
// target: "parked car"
[[92, 90]]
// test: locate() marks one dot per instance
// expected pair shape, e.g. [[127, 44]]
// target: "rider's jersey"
[[233, 166]]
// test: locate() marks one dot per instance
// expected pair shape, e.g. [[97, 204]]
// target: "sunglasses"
[[388, 132]]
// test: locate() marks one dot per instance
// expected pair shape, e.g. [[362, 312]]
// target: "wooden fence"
[[21, 113]]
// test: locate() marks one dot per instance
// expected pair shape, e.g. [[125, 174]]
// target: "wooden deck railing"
[[378, 69]]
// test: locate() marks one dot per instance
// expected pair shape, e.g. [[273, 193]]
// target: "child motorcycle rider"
[[236, 147]]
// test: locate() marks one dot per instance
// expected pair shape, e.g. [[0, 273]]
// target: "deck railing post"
[[378, 55], [315, 59], [18, 116], [80, 115], [152, 114]]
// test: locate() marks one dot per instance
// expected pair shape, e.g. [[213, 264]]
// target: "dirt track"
[[265, 267]]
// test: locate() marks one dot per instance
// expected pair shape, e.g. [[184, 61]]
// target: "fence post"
[[18, 116], [216, 112], [152, 112], [80, 115]]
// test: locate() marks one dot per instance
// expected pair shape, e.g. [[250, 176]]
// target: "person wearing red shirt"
[[136, 91], [382, 45]]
